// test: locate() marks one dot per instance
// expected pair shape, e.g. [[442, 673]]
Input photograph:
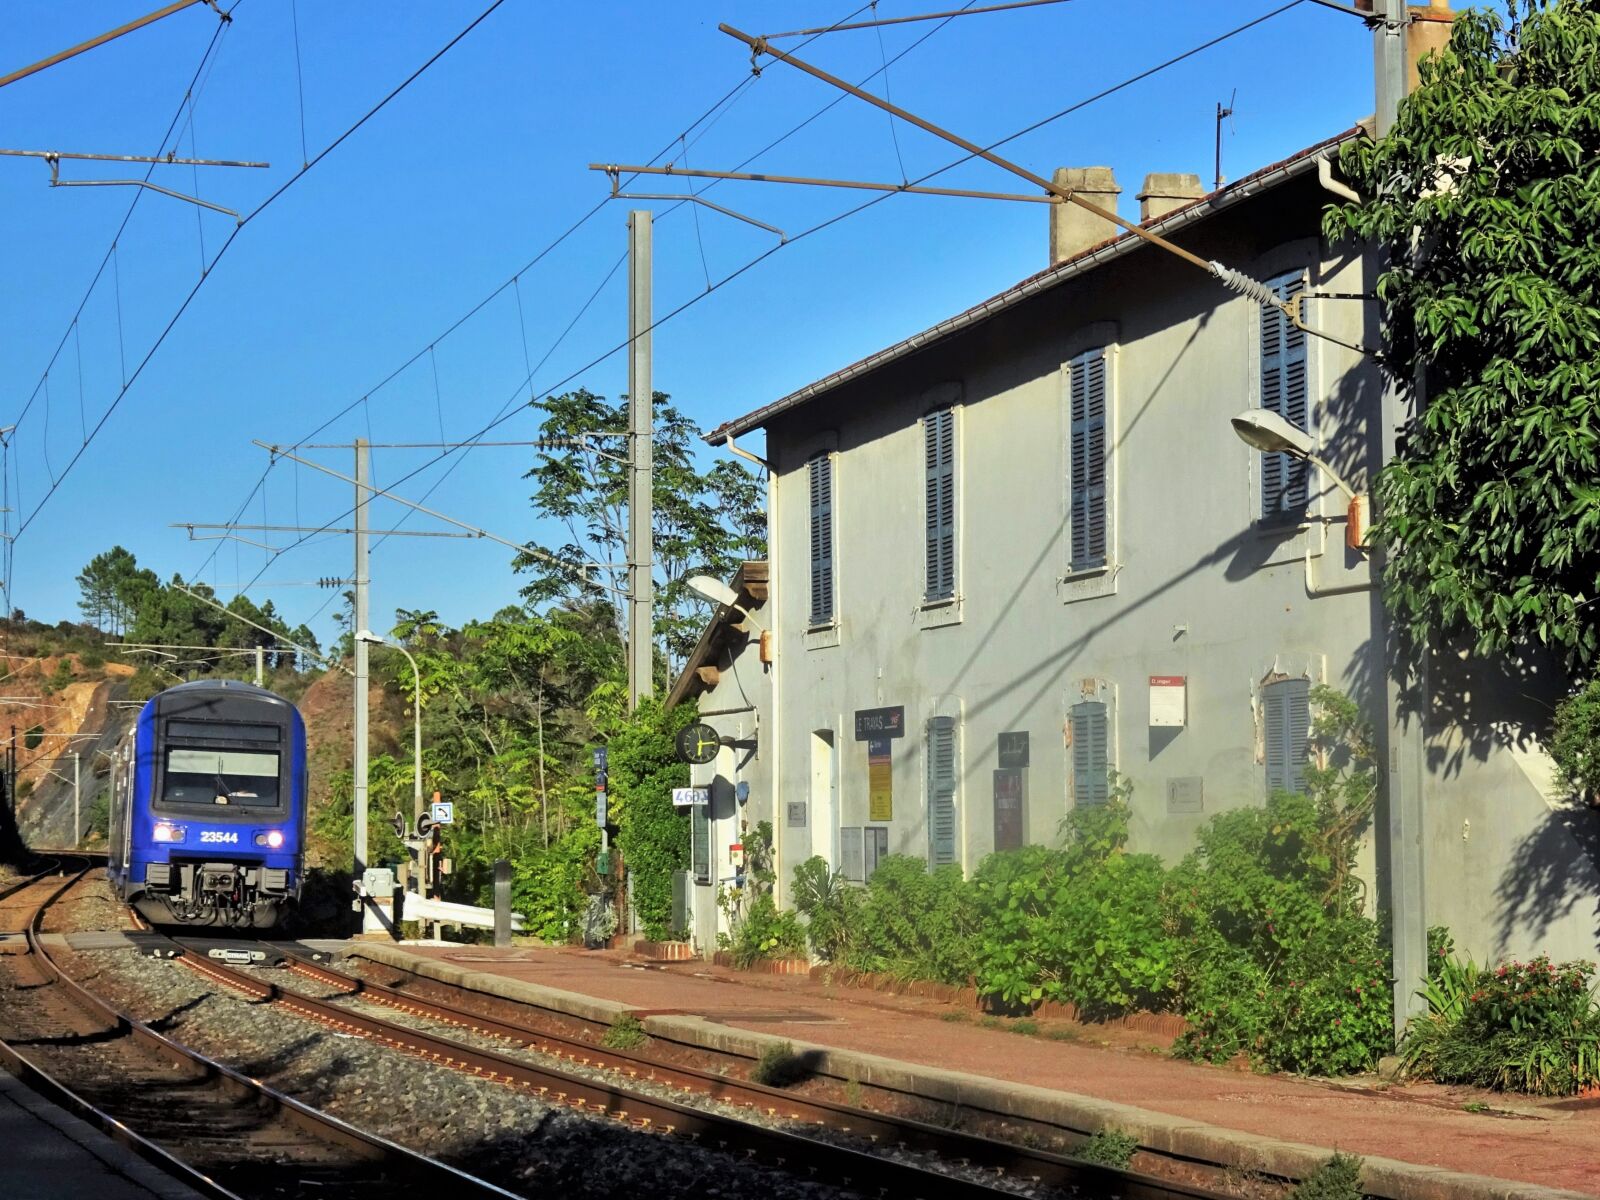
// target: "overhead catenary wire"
[[707, 118], [233, 236], [761, 257], [702, 123]]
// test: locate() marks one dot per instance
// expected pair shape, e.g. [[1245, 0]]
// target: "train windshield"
[[243, 778]]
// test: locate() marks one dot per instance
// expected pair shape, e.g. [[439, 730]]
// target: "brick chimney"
[[1429, 31], [1166, 191], [1072, 229]]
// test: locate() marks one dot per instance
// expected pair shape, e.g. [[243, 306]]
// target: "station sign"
[[873, 723]]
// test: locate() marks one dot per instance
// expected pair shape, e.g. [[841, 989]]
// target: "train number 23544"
[[217, 835]]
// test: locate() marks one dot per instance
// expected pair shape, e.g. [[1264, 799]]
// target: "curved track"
[[223, 1134]]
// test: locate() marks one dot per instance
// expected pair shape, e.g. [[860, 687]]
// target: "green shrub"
[[778, 1066], [1337, 1179], [1524, 1027], [625, 1033], [1575, 740], [765, 931], [1082, 925], [1108, 1148], [1275, 960], [916, 924], [830, 906]]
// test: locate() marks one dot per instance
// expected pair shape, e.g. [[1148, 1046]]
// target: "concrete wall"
[[1196, 587], [744, 683]]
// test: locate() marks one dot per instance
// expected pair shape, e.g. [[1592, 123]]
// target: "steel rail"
[[62, 1096], [1048, 1168], [790, 1152], [445, 1180]]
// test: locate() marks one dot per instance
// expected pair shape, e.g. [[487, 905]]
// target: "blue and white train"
[[208, 808]]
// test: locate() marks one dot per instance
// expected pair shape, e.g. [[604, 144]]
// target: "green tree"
[[107, 587], [1485, 198], [705, 520]]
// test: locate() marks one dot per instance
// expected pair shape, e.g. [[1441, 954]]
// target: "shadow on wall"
[[1553, 871], [1490, 703]]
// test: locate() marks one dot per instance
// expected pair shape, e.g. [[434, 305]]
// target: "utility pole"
[[261, 666], [360, 620], [77, 798], [1389, 59], [641, 475], [1406, 765]]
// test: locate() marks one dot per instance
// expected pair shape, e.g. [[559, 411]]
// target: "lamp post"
[[714, 591], [372, 639], [1407, 748], [1271, 434]]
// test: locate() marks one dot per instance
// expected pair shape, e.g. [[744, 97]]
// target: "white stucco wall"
[[1196, 588]]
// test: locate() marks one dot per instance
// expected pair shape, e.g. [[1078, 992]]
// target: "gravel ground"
[[486, 1128], [693, 1100]]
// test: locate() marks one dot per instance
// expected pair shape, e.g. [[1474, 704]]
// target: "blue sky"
[[469, 174]]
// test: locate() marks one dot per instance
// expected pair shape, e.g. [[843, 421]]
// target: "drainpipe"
[[745, 454], [1329, 183]]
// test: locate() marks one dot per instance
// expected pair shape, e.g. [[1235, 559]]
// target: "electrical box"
[[378, 882]]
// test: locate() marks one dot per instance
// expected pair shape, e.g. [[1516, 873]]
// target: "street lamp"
[[713, 590], [1270, 433], [372, 639]]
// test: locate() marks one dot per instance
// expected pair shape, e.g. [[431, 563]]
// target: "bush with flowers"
[[1522, 1027]]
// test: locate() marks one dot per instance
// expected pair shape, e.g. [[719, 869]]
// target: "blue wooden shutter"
[[1091, 752], [942, 831], [1284, 390], [820, 472], [939, 445], [1286, 731], [1090, 501]]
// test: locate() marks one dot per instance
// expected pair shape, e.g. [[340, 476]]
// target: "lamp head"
[[370, 638], [1268, 432], [708, 587]]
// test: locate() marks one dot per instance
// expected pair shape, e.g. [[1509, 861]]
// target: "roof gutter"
[[1073, 268]]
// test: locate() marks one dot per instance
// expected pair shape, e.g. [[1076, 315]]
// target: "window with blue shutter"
[[939, 446], [819, 473], [1091, 752], [1286, 733], [943, 829], [1091, 515], [1285, 481]]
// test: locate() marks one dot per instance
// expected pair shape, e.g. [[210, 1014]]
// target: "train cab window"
[[242, 778]]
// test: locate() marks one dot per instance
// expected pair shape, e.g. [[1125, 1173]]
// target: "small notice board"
[[1169, 704]]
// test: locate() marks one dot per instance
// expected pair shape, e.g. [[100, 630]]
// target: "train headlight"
[[167, 832], [272, 839]]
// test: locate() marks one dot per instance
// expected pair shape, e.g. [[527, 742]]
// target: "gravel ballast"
[[486, 1128]]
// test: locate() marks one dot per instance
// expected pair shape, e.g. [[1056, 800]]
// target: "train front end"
[[216, 810]]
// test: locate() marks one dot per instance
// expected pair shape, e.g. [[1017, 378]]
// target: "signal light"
[[165, 832], [272, 839]]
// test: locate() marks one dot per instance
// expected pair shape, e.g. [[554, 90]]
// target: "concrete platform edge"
[[1157, 1131], [117, 1159]]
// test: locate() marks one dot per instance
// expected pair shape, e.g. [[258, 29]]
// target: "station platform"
[[49, 1153], [1419, 1142]]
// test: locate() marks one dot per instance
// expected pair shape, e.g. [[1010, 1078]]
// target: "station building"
[[1022, 557]]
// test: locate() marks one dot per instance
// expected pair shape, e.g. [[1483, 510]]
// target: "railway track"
[[608, 1083], [1001, 1142], [213, 1128]]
